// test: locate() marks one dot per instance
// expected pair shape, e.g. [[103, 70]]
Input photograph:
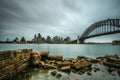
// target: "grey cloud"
[[56, 17]]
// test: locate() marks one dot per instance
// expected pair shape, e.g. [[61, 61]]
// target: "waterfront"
[[69, 50]]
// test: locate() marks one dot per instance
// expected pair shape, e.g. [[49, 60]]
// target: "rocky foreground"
[[81, 63], [12, 62]]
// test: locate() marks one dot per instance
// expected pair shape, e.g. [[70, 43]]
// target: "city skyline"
[[57, 18]]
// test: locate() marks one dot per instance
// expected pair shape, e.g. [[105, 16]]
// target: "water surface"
[[68, 50]]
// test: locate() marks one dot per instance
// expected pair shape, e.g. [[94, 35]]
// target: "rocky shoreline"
[[14, 61], [81, 64]]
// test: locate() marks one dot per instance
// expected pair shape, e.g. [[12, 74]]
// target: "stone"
[[118, 71], [65, 68], [5, 70], [95, 70], [74, 61], [111, 64], [35, 59], [41, 64], [50, 61], [55, 57], [82, 64], [113, 60], [94, 61], [112, 56], [59, 75], [44, 55], [86, 68], [65, 63], [80, 57], [48, 66], [53, 73], [82, 71], [89, 73], [68, 59], [111, 69], [22, 67]]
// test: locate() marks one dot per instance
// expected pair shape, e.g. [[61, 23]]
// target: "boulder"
[[113, 60], [35, 59], [112, 56], [89, 73], [50, 61], [65, 63], [111, 69], [65, 68], [112, 64], [55, 57], [94, 61], [59, 75], [118, 71], [81, 64], [68, 59], [80, 57], [44, 55], [53, 73], [74, 61], [48, 66]]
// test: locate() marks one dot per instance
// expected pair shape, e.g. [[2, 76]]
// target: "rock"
[[113, 60], [118, 71], [86, 68], [53, 73], [35, 59], [41, 64], [65, 63], [55, 57], [52, 62], [81, 57], [82, 64], [96, 69], [59, 75], [89, 73], [48, 66], [111, 69], [94, 61], [111, 64], [44, 55], [112, 56], [65, 68], [74, 61], [68, 59], [82, 71]]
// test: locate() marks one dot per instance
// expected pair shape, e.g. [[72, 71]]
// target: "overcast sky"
[[53, 17]]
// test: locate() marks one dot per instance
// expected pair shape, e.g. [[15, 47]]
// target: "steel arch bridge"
[[105, 27]]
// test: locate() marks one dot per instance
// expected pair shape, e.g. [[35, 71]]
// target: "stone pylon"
[[78, 40]]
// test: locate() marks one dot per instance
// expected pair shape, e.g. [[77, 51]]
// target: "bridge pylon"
[[81, 41]]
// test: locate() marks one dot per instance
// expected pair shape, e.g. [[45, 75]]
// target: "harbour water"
[[72, 51], [69, 50]]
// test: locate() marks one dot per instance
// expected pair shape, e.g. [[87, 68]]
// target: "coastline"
[[27, 58]]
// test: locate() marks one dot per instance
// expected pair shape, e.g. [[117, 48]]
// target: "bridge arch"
[[105, 27]]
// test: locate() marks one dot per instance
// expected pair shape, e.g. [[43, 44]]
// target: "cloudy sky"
[[53, 17]]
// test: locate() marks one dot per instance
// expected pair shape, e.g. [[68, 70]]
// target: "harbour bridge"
[[100, 28]]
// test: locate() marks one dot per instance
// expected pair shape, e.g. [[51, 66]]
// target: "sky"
[[54, 17]]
